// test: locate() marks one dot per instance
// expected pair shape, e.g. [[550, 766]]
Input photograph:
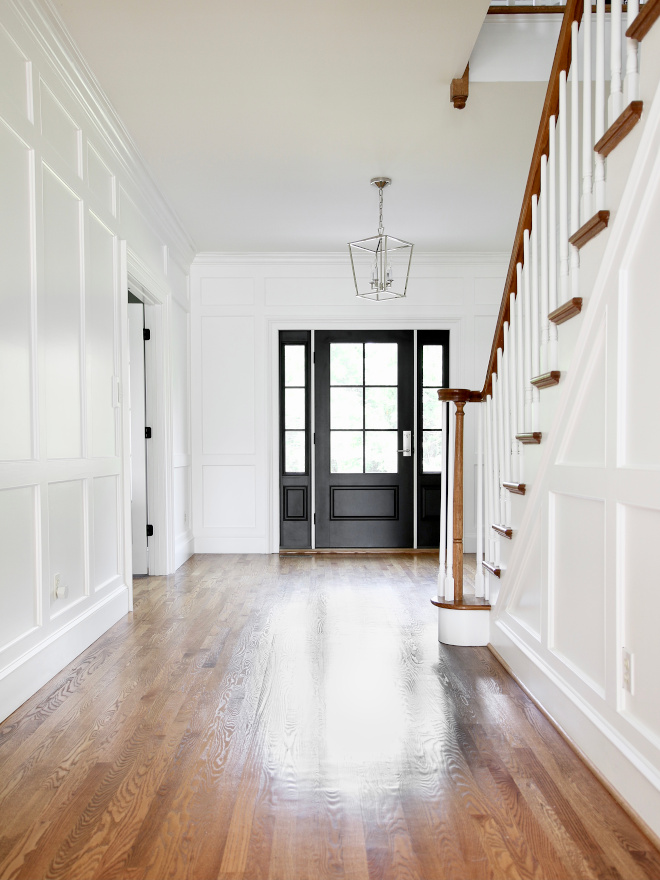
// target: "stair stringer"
[[616, 731]]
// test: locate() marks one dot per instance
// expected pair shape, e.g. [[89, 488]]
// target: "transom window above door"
[[363, 408]]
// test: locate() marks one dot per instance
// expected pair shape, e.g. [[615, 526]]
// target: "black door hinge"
[[146, 334], [314, 519], [150, 531], [147, 433], [314, 440]]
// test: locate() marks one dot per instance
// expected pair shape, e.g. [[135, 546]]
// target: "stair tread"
[[546, 380], [565, 312], [622, 125], [531, 437], [492, 567], [590, 229], [470, 603], [505, 531], [516, 488]]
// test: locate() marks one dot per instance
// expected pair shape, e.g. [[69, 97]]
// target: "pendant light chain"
[[381, 228]]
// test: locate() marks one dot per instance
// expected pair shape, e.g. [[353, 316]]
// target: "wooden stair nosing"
[[622, 126], [528, 439], [546, 380], [504, 531], [471, 604], [565, 312], [644, 21], [590, 229], [492, 568], [515, 488]]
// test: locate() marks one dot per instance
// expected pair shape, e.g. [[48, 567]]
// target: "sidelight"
[[295, 409]]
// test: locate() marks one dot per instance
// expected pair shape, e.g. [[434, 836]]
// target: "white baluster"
[[632, 59], [587, 141], [513, 384], [497, 476], [479, 574], [552, 244], [527, 293], [563, 190], [449, 579], [599, 109], [501, 446], [442, 576], [616, 86], [490, 544], [534, 292], [545, 323], [506, 409], [520, 368], [575, 160]]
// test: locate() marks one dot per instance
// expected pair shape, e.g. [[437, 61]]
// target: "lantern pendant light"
[[381, 265]]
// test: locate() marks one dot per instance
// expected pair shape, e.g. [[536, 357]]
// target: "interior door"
[[139, 517], [364, 405]]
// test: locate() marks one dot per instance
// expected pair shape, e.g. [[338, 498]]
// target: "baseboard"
[[231, 545], [184, 547], [23, 678], [649, 808]]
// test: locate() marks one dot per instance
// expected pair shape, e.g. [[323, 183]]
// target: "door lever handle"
[[407, 443]]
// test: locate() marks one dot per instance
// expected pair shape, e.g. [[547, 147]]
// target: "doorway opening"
[[139, 434], [362, 451]]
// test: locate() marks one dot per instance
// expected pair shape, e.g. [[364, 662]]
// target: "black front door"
[[364, 405]]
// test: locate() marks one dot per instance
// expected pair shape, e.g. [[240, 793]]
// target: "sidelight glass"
[[432, 365], [432, 376], [431, 409], [346, 455], [294, 452], [432, 452], [294, 408], [381, 363], [346, 361], [294, 365], [380, 408], [346, 408], [380, 452]]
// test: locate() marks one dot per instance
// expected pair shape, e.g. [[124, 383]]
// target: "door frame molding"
[[417, 321]]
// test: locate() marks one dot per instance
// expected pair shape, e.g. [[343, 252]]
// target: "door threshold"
[[363, 551]]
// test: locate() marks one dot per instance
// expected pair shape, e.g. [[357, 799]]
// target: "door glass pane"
[[294, 408], [432, 365], [294, 365], [380, 408], [294, 452], [345, 452], [345, 408], [432, 452], [381, 363], [380, 448], [431, 409], [346, 363]]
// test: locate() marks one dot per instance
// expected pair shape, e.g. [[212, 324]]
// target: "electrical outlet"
[[59, 589], [627, 670]]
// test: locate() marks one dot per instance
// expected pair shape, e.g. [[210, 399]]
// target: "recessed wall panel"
[[18, 572], [61, 320], [100, 179], [139, 234], [16, 250], [105, 524], [100, 339], [227, 291], [577, 584], [180, 414], [484, 328], [228, 386], [181, 500], [66, 542], [229, 496], [59, 129], [641, 599], [13, 72], [488, 291]]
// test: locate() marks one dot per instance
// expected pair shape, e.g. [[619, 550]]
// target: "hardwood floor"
[[289, 718]]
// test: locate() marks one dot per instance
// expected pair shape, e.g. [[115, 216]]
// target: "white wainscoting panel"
[[181, 502], [524, 604], [180, 381], [100, 339], [229, 496], [140, 233], [101, 180], [18, 572], [577, 584], [227, 291], [488, 292], [16, 259], [59, 129], [640, 535], [228, 349], [13, 72], [105, 531], [484, 328], [62, 282], [66, 542]]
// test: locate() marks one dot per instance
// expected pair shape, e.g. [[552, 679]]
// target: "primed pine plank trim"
[[621, 126], [492, 568], [590, 229], [566, 311], [646, 18], [516, 488], [505, 531], [546, 380], [471, 604], [528, 439]]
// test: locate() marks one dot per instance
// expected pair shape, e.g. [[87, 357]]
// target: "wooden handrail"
[[562, 61]]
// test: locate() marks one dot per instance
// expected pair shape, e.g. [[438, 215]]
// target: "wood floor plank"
[[294, 718]]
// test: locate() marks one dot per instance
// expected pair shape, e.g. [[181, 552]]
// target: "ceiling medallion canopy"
[[381, 265]]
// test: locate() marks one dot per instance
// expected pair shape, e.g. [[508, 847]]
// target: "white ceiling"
[[264, 121]]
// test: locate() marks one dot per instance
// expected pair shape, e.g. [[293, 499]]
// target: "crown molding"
[[44, 24], [342, 258]]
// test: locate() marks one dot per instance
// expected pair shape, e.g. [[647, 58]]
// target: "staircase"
[[569, 416]]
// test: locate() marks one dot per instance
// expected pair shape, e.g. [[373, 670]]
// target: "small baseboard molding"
[[184, 547], [27, 674], [360, 551], [618, 797], [241, 544]]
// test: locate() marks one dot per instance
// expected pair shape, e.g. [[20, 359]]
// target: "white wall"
[[240, 302], [73, 191]]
